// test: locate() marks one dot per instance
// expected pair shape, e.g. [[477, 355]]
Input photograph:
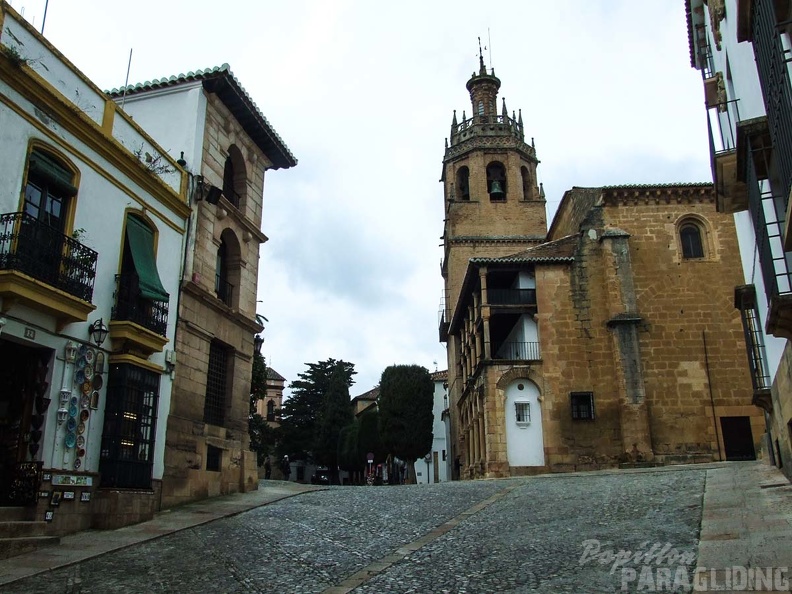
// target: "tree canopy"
[[262, 436], [405, 411], [334, 415], [301, 411]]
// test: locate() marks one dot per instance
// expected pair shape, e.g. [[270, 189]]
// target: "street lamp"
[[98, 332], [258, 340]]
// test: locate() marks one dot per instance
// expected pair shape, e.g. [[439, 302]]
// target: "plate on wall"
[[88, 371], [99, 362], [81, 428], [97, 382], [80, 441], [77, 463], [79, 377], [71, 439], [89, 356]]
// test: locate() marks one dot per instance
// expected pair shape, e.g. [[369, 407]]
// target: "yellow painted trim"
[[90, 162], [15, 286], [139, 336], [32, 86], [121, 358], [108, 117]]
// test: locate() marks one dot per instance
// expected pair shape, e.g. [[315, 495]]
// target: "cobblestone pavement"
[[513, 535]]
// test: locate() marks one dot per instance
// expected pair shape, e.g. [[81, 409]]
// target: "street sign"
[[370, 457]]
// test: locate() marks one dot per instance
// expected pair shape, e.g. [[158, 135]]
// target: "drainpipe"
[[712, 398]]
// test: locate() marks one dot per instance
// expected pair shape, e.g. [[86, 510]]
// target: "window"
[[223, 289], [526, 182], [690, 236], [496, 181], [745, 301], [234, 177], [140, 296], [463, 184], [523, 412], [228, 183], [216, 383], [127, 453], [270, 410], [582, 405], [227, 268], [481, 108], [214, 458]]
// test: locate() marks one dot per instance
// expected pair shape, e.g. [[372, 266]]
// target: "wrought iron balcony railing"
[[47, 255], [224, 290], [511, 296], [520, 351], [131, 306]]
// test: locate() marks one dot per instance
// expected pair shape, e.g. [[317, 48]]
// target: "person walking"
[[286, 468], [267, 468]]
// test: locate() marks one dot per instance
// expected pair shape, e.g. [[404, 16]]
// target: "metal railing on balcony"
[[511, 296], [132, 307], [768, 219], [775, 82], [704, 53], [47, 255], [224, 291], [482, 121], [519, 351]]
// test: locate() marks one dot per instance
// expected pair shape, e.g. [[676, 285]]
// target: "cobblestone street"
[[516, 535]]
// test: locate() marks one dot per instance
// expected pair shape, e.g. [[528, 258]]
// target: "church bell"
[[496, 191]]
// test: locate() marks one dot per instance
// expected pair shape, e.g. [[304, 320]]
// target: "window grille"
[[216, 377], [523, 412], [126, 456], [582, 405]]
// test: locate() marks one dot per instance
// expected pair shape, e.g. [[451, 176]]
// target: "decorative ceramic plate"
[[88, 371], [82, 350], [80, 428], [86, 388], [79, 377], [85, 401], [71, 439], [73, 401], [97, 382], [80, 441], [81, 363], [99, 363], [84, 415], [77, 463], [89, 356], [73, 411], [81, 451]]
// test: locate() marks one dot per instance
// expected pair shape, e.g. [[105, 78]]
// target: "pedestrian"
[[267, 468], [286, 468], [457, 467]]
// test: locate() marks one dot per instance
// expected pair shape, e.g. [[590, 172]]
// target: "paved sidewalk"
[[93, 543], [746, 523]]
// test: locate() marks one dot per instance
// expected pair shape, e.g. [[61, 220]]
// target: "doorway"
[[738, 438]]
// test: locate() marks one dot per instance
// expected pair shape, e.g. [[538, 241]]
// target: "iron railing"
[[776, 89], [768, 219], [511, 296], [131, 306], [704, 52], [481, 121], [224, 290], [47, 255], [754, 342], [517, 351]]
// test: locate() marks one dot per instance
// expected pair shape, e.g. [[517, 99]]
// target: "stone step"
[[15, 514], [22, 528], [11, 547]]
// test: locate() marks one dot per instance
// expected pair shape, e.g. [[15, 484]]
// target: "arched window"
[[496, 181], [463, 184], [270, 410], [526, 182], [234, 177], [690, 237], [227, 268], [481, 108]]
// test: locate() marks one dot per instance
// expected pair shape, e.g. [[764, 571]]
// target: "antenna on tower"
[[489, 43], [44, 20]]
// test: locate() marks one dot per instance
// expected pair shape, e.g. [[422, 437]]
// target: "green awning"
[[46, 169], [141, 244]]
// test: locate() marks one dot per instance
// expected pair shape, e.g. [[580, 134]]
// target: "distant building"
[[742, 50], [366, 401], [227, 145], [440, 467], [269, 406], [94, 215], [610, 339]]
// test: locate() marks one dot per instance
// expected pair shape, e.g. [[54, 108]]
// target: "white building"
[[742, 49], [93, 218], [436, 467]]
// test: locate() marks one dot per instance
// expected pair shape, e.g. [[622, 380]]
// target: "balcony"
[[512, 297], [517, 351], [731, 192], [45, 269], [224, 291], [137, 322]]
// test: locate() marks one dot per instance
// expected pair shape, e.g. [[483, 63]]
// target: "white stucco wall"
[[524, 441]]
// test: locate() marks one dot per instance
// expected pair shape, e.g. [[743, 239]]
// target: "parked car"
[[321, 476]]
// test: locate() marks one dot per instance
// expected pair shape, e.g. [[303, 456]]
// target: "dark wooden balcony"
[[511, 296]]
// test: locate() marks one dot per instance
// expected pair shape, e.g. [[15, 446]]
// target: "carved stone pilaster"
[[717, 12]]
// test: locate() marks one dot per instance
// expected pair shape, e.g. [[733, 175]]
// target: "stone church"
[[609, 338]]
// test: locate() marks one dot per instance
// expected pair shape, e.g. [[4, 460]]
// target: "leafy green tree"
[[262, 436], [349, 457], [369, 437], [405, 409], [300, 412], [336, 413]]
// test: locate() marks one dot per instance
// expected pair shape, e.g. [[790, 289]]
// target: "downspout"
[[712, 398]]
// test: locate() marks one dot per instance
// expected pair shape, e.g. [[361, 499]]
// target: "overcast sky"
[[363, 93]]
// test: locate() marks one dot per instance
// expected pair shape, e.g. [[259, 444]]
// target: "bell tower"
[[493, 204]]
